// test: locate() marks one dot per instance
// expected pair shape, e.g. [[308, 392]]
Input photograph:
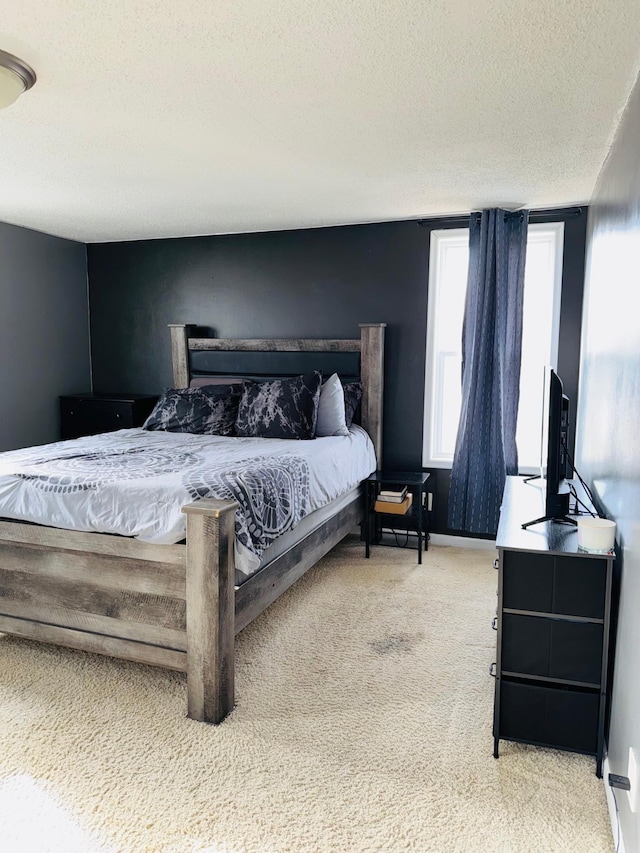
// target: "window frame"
[[438, 238]]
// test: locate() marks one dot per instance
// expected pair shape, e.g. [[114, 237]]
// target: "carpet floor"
[[363, 723]]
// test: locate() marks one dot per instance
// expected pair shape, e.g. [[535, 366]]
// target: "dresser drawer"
[[567, 719], [568, 585], [107, 415], [533, 645], [86, 414], [75, 417]]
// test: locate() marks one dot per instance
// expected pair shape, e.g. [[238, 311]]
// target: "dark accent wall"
[[316, 283], [311, 283], [608, 450], [44, 332]]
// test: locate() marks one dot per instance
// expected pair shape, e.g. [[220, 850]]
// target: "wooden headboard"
[[370, 345]]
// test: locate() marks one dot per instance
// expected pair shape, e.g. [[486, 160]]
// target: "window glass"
[[449, 260]]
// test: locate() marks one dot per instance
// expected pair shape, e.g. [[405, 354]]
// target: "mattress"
[[135, 483]]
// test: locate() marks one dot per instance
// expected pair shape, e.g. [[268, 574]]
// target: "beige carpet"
[[363, 724]]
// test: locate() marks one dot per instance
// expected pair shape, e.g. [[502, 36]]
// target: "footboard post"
[[210, 609]]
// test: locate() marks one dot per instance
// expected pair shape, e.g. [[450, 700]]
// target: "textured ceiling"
[[162, 118]]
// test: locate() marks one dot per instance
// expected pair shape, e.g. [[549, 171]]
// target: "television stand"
[[553, 632], [564, 519], [556, 506], [532, 478]]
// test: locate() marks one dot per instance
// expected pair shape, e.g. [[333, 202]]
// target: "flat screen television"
[[554, 458]]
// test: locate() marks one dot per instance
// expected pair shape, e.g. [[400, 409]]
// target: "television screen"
[[554, 459], [544, 425], [557, 503]]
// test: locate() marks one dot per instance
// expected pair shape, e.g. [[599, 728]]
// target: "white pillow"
[[331, 416]]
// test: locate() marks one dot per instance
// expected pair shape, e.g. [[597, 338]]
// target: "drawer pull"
[[492, 669], [117, 414]]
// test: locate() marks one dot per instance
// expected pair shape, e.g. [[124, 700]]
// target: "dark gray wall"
[[44, 332], [608, 448], [315, 283]]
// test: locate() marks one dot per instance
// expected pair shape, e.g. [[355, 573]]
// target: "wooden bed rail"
[[370, 345], [173, 606], [128, 599]]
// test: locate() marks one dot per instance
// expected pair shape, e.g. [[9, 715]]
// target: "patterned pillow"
[[284, 408], [209, 410], [352, 397]]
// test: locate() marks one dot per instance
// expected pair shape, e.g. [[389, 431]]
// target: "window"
[[541, 315]]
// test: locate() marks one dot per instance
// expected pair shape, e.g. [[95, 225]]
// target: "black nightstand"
[[414, 519], [89, 414]]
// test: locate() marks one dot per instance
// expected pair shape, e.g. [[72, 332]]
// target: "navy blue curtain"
[[491, 352]]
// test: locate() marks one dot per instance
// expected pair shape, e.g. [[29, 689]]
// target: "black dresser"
[[553, 631], [89, 414]]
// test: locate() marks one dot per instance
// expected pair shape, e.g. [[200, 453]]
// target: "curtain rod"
[[543, 215]]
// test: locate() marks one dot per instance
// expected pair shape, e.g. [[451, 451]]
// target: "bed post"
[[372, 374], [180, 334], [210, 609]]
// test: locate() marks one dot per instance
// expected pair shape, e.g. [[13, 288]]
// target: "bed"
[[178, 606]]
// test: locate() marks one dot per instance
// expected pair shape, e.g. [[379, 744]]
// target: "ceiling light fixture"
[[15, 78]]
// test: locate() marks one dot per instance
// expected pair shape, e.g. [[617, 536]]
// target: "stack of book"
[[396, 502]]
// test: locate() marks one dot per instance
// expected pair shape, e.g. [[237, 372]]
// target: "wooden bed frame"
[[174, 606]]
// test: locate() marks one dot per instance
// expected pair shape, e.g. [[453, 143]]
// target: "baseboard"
[[611, 805], [462, 541]]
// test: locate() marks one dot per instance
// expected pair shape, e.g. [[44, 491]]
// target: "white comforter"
[[134, 483]]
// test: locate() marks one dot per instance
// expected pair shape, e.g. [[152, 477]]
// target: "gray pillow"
[[331, 411], [209, 410], [284, 408]]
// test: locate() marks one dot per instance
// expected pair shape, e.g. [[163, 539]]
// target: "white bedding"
[[134, 483]]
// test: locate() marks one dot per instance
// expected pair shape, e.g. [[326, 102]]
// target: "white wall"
[[607, 446]]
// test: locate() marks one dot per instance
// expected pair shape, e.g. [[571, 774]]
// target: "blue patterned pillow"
[[284, 408], [209, 410], [352, 397]]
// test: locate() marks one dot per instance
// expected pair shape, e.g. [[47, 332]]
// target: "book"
[[392, 496], [394, 507]]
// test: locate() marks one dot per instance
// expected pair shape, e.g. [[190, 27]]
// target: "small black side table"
[[415, 481], [90, 414]]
